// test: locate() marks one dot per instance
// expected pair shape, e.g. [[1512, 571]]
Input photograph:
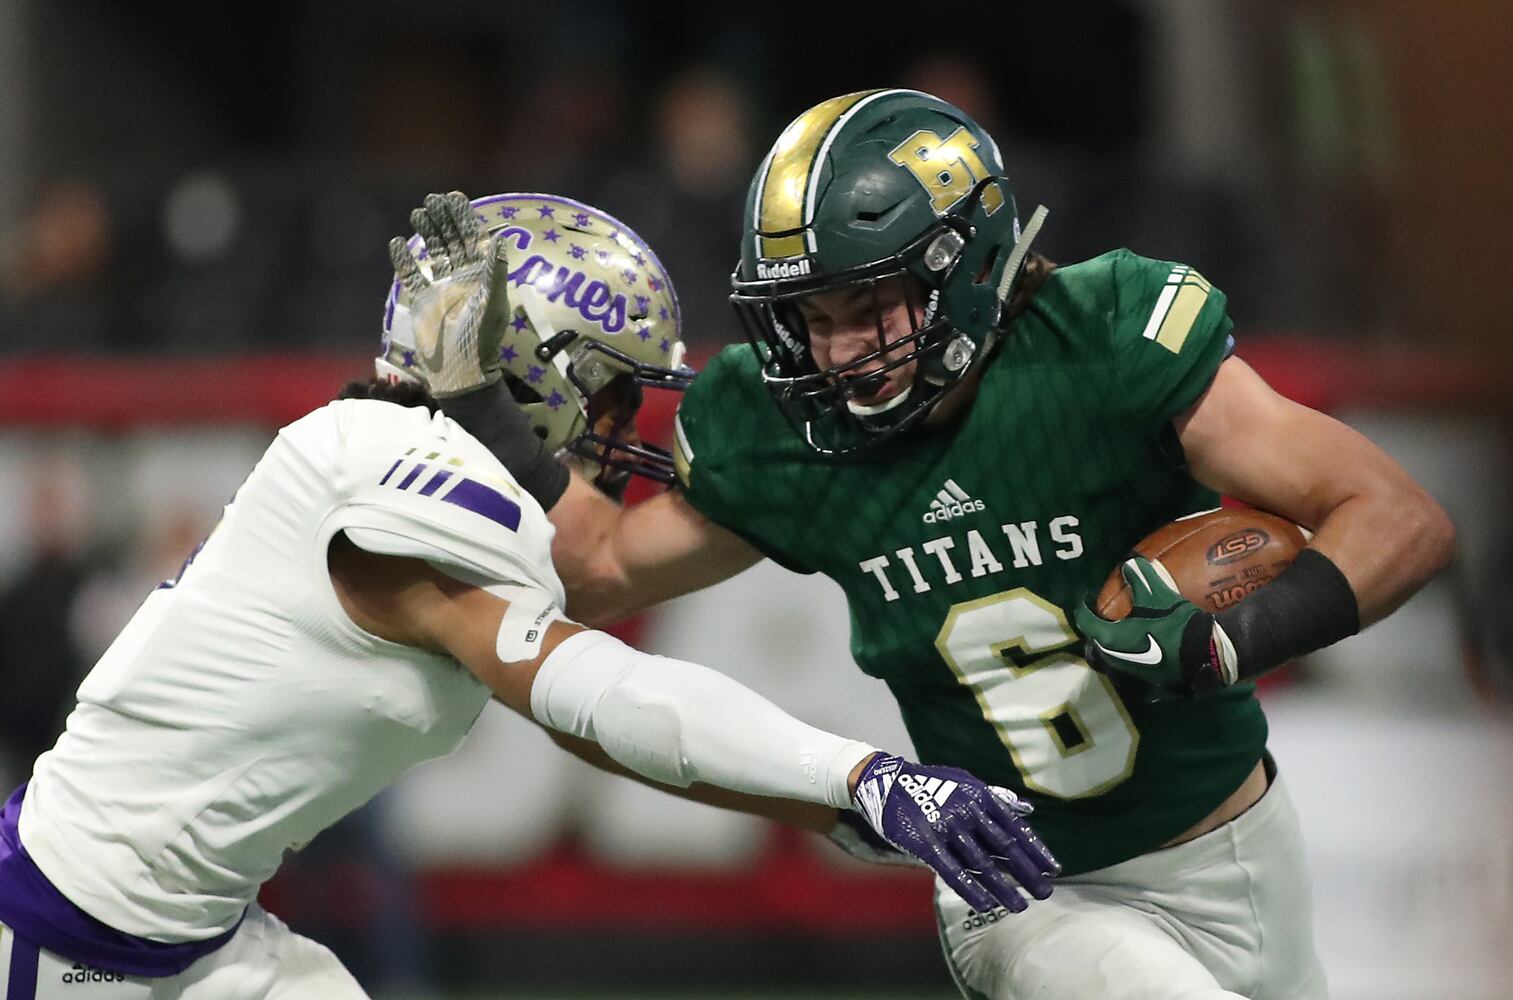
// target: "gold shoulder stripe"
[[1177, 308], [1179, 320], [785, 184]]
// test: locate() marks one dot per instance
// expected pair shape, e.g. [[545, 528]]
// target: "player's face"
[[847, 324], [612, 413], [614, 410]]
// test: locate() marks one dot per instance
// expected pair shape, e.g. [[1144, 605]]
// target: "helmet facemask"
[[609, 450], [823, 404]]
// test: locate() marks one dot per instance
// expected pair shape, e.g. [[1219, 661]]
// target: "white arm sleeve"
[[679, 723]]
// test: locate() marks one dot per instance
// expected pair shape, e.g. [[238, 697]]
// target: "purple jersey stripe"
[[385, 479], [410, 476], [42, 917], [23, 974], [435, 483], [479, 499]]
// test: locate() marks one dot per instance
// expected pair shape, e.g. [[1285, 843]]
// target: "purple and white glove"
[[972, 834], [856, 837]]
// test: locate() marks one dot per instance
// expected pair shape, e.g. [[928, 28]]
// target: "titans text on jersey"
[[1019, 543]]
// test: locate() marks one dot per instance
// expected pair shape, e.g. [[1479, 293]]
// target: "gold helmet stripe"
[[790, 174]]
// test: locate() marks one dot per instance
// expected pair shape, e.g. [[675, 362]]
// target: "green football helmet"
[[864, 188]]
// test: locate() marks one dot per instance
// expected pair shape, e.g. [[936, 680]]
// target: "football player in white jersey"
[[378, 577]]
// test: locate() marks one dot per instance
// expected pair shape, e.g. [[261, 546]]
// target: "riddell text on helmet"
[[786, 269]]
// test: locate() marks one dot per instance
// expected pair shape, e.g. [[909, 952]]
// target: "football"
[[1215, 557]]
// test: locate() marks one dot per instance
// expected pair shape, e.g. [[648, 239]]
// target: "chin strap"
[[1020, 252]]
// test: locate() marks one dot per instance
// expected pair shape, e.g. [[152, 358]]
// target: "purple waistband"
[[41, 915]]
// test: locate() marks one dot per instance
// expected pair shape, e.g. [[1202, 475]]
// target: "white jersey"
[[241, 712]]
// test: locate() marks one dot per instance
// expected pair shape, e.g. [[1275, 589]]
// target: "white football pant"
[[264, 960], [1222, 917]]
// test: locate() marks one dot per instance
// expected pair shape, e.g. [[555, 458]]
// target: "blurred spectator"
[[40, 663], [108, 599], [354, 891], [959, 80], [55, 287], [686, 197]]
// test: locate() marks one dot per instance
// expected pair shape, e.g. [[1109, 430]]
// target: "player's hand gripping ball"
[[1154, 618], [456, 299], [973, 835]]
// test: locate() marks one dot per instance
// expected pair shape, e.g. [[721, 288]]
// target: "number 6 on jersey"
[[1062, 722]]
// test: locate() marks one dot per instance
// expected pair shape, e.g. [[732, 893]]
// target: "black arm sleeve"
[[1308, 606], [492, 416]]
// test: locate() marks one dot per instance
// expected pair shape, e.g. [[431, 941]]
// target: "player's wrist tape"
[[492, 416], [679, 723], [1308, 606]]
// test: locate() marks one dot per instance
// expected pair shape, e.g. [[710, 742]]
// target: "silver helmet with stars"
[[593, 317]]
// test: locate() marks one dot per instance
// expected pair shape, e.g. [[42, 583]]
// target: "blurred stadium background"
[[194, 204]]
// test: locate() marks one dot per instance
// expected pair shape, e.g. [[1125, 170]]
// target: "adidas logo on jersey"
[[951, 502], [929, 794]]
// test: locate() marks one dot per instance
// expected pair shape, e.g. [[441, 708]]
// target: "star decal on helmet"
[[569, 268]]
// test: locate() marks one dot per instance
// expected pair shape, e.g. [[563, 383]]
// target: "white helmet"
[[589, 303]]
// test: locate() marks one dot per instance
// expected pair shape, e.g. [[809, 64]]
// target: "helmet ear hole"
[[522, 392], [986, 271]]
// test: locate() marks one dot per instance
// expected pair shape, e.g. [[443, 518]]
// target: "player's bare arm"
[[1384, 532], [616, 561], [680, 724], [1378, 538], [407, 602]]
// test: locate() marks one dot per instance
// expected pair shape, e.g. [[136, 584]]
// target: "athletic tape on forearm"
[[492, 416], [1308, 606], [679, 723]]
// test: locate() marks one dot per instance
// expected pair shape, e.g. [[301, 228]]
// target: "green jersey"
[[962, 550]]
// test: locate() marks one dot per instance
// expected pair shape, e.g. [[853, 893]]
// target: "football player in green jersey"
[[966, 438]]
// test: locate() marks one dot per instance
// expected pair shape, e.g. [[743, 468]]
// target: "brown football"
[[1216, 557]]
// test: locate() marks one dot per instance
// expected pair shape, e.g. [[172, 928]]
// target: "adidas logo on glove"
[[929, 794]]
